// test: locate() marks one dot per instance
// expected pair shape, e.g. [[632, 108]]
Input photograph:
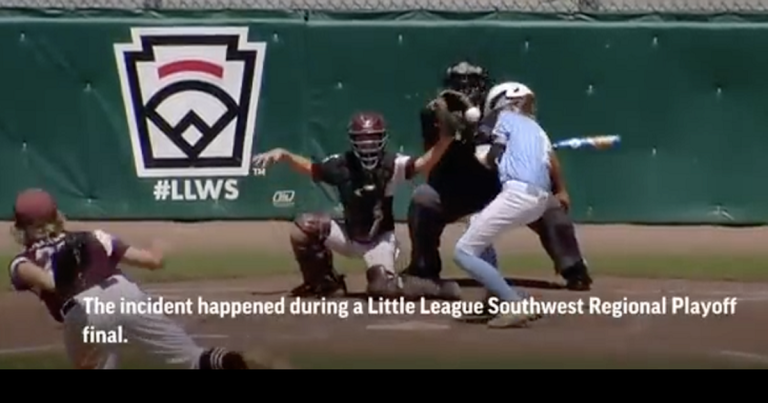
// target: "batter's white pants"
[[155, 335], [518, 204], [382, 251]]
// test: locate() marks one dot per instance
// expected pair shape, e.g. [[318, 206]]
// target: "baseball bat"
[[594, 142]]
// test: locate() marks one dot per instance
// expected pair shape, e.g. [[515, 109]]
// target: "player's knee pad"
[[220, 358]]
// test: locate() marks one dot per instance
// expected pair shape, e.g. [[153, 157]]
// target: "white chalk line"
[[758, 358], [50, 347]]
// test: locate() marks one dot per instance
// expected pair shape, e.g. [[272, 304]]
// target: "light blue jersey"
[[526, 156]]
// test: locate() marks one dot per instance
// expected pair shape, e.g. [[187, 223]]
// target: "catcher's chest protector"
[[367, 208]]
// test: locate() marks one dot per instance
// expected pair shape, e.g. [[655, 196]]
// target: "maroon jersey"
[[105, 251]]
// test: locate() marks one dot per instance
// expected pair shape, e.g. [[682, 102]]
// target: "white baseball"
[[472, 114]]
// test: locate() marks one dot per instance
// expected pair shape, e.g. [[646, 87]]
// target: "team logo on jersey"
[[191, 96]]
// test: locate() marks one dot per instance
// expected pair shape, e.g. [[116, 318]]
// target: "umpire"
[[459, 185]]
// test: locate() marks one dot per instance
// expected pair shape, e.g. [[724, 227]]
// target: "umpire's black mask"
[[469, 79]]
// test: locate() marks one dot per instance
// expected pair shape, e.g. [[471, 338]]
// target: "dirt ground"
[[737, 337]]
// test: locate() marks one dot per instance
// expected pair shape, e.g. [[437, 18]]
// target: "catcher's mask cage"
[[368, 136], [469, 79]]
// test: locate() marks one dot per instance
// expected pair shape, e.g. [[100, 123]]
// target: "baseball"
[[472, 114]]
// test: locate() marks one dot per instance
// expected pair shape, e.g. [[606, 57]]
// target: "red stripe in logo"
[[200, 66]]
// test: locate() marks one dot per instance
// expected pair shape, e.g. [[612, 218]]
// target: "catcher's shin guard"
[[315, 260]]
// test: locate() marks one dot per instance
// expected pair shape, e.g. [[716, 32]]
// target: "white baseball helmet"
[[505, 94]]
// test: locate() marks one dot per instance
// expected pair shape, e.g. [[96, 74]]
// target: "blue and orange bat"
[[594, 142]]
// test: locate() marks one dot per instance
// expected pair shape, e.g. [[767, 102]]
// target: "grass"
[[57, 360], [240, 264]]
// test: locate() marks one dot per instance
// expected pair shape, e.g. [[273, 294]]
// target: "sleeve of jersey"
[[502, 129], [17, 284], [114, 247], [404, 169], [324, 171], [548, 142]]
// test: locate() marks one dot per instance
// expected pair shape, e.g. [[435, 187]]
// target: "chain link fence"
[[538, 6]]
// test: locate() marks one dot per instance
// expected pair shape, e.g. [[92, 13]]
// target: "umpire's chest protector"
[[364, 196]]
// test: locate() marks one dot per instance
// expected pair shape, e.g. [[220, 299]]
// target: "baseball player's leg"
[[517, 205], [312, 239], [558, 237], [488, 254], [380, 263], [426, 222], [162, 339], [82, 354], [156, 335]]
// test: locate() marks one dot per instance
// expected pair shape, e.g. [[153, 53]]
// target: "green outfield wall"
[[155, 116]]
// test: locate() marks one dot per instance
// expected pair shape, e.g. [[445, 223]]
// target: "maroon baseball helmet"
[[368, 134], [34, 207]]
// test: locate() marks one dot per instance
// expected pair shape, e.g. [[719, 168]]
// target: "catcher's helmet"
[[512, 94], [467, 78], [368, 134]]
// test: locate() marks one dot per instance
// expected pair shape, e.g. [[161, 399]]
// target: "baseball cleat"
[[509, 320], [577, 277], [328, 287]]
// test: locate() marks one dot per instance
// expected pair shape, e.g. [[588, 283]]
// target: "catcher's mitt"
[[449, 107], [70, 261]]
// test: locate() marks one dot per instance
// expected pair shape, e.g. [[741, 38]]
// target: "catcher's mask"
[[368, 134], [469, 79], [512, 95]]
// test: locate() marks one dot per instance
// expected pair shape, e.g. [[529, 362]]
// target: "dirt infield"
[[738, 337]]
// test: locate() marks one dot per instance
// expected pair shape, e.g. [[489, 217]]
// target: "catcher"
[[65, 268], [365, 178], [461, 185]]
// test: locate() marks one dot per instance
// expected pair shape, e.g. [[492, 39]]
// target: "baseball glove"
[[70, 261], [449, 107]]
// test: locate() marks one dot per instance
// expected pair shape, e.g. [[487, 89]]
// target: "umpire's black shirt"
[[464, 184]]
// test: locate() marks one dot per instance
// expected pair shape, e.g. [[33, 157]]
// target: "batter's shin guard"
[[220, 358]]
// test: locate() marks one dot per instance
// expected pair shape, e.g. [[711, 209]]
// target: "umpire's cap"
[[34, 206]]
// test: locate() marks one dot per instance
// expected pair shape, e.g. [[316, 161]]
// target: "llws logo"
[[191, 95]]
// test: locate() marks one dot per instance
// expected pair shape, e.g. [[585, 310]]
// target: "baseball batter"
[[459, 186], [39, 228], [365, 178], [523, 157]]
